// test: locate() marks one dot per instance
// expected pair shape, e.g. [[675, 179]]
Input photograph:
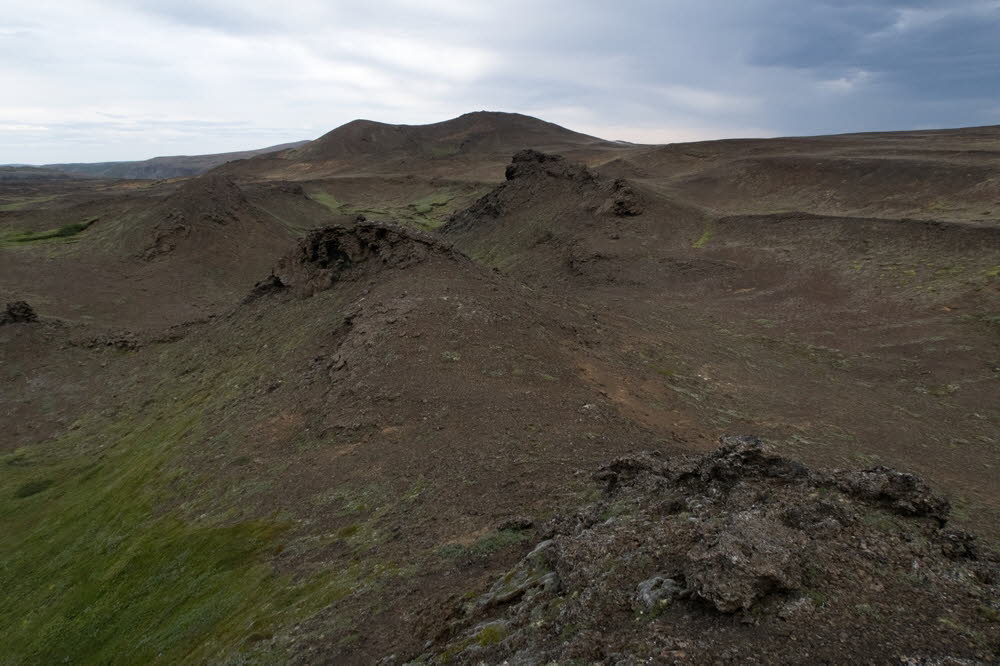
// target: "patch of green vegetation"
[[617, 508], [416, 490], [348, 531], [94, 570], [343, 208], [706, 236], [64, 232], [880, 521], [989, 319], [491, 634], [993, 272], [989, 614], [26, 202], [327, 200], [817, 598], [484, 546], [962, 509], [33, 487], [492, 257], [428, 212], [431, 211], [444, 149], [368, 499], [940, 390], [957, 627]]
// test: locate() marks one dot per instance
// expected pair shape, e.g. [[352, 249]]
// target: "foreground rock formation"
[[740, 556]]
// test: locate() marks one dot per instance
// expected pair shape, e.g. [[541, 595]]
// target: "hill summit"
[[477, 132], [477, 144]]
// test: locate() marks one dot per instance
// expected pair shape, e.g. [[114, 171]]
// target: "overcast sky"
[[95, 80]]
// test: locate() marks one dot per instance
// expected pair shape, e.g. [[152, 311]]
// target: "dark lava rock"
[[738, 556], [743, 557], [120, 340], [335, 253], [270, 285], [742, 457], [517, 523], [624, 201], [530, 163], [18, 312], [533, 176], [903, 493], [657, 592]]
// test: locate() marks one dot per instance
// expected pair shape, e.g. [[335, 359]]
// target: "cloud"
[[128, 79], [849, 82]]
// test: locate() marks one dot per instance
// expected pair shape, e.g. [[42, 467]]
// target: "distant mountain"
[[478, 132], [475, 145], [164, 167]]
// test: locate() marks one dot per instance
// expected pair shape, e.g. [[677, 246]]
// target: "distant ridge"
[[175, 166]]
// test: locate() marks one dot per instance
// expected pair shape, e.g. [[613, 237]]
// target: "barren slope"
[[940, 174], [154, 257], [826, 334]]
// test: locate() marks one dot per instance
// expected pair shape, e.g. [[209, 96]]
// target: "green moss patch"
[[94, 571], [64, 232], [484, 546]]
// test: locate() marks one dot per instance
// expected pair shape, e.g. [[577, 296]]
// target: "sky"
[[101, 80]]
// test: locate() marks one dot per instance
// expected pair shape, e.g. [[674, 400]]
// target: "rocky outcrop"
[[722, 557], [18, 312], [529, 163], [533, 176], [196, 215], [328, 255]]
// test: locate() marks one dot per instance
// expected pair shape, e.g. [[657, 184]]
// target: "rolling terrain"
[[454, 394]]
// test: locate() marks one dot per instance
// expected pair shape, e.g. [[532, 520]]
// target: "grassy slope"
[[95, 570], [67, 231], [426, 212]]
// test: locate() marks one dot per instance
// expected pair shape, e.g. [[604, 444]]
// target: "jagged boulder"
[[623, 200], [903, 493], [18, 312], [529, 163], [328, 255], [741, 558]]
